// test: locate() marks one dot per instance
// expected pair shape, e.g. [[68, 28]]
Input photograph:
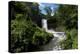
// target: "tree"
[[67, 17], [25, 34]]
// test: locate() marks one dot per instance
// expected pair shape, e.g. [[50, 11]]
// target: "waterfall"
[[56, 34], [54, 43], [44, 24]]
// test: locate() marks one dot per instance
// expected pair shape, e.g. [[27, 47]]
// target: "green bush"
[[41, 37], [71, 41], [25, 34]]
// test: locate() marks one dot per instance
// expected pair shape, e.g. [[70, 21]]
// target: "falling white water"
[[54, 43], [44, 24]]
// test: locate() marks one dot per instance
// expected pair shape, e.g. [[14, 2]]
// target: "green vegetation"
[[26, 35], [26, 31], [71, 41], [65, 19], [69, 22]]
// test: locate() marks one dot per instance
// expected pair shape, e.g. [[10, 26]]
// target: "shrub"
[[41, 37], [71, 41], [25, 34]]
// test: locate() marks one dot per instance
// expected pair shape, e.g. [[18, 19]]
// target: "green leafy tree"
[[26, 35]]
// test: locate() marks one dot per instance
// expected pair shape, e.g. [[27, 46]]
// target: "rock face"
[[35, 16]]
